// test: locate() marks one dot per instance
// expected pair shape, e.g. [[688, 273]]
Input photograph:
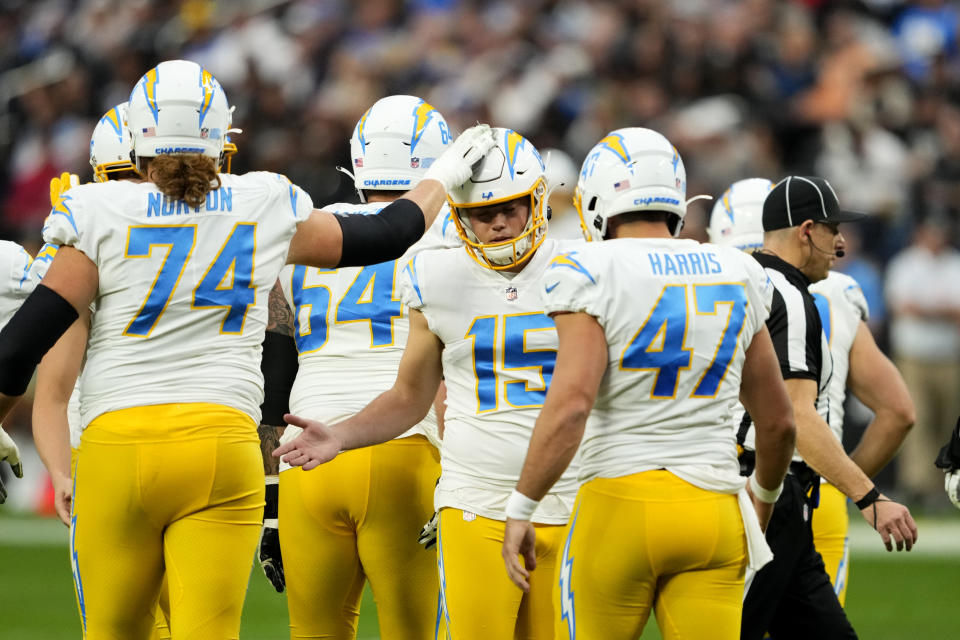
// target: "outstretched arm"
[[878, 384], [387, 416]]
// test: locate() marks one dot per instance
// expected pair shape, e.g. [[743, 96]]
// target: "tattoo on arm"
[[269, 440], [280, 319]]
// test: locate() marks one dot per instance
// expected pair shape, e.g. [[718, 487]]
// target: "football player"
[[858, 365], [476, 321], [180, 266], [658, 337], [356, 519], [56, 405], [15, 286]]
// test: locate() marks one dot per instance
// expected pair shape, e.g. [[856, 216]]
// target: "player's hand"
[[62, 183], [314, 446], [428, 534], [455, 165], [764, 509], [10, 453], [951, 483], [269, 554], [893, 522], [519, 539], [62, 496]]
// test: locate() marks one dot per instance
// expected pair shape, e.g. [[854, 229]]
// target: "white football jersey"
[[350, 327], [678, 317], [181, 307], [498, 358], [15, 281], [842, 307]]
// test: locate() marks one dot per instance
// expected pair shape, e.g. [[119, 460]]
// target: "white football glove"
[[952, 484], [455, 165], [428, 535], [10, 453]]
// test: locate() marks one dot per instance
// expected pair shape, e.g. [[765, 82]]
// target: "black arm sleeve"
[[279, 366], [378, 238], [33, 330]]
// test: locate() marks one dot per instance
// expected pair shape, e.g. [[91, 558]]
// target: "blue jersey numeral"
[[490, 348], [179, 242], [371, 298], [228, 282], [316, 299], [659, 344]]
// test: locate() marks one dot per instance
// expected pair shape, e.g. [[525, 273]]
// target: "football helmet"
[[512, 169], [395, 142], [737, 217], [177, 107], [631, 169], [110, 144]]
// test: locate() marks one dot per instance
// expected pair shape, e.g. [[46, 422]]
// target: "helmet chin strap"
[[363, 198]]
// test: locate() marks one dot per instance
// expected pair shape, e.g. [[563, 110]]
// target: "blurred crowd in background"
[[866, 94]]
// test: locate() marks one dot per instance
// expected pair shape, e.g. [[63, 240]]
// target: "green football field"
[[891, 596]]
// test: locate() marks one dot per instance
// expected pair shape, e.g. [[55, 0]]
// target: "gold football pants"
[[168, 489], [651, 540], [480, 600], [356, 518]]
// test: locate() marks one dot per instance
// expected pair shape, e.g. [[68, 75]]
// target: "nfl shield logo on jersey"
[[414, 163], [511, 294]]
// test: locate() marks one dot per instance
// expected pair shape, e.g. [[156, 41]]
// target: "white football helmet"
[[395, 142], [510, 170], [178, 107], [632, 169], [737, 217], [110, 144]]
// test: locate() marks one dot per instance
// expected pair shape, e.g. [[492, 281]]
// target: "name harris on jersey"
[[685, 263], [160, 205]]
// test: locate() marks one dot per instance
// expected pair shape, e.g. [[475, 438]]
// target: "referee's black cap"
[[796, 199]]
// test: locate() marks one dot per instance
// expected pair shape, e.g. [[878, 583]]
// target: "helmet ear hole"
[[593, 204]]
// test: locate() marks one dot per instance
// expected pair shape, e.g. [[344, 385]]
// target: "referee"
[[792, 596]]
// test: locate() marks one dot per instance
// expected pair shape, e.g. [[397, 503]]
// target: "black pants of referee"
[[791, 597]]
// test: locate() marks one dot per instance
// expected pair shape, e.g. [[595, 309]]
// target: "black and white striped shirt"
[[797, 334]]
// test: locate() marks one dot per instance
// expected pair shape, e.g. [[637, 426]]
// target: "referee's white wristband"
[[520, 507], [764, 495]]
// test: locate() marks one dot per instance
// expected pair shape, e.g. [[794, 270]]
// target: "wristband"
[[872, 496], [764, 495], [520, 507], [272, 498]]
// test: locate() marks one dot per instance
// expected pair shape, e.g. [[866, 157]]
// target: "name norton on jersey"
[[160, 205]]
